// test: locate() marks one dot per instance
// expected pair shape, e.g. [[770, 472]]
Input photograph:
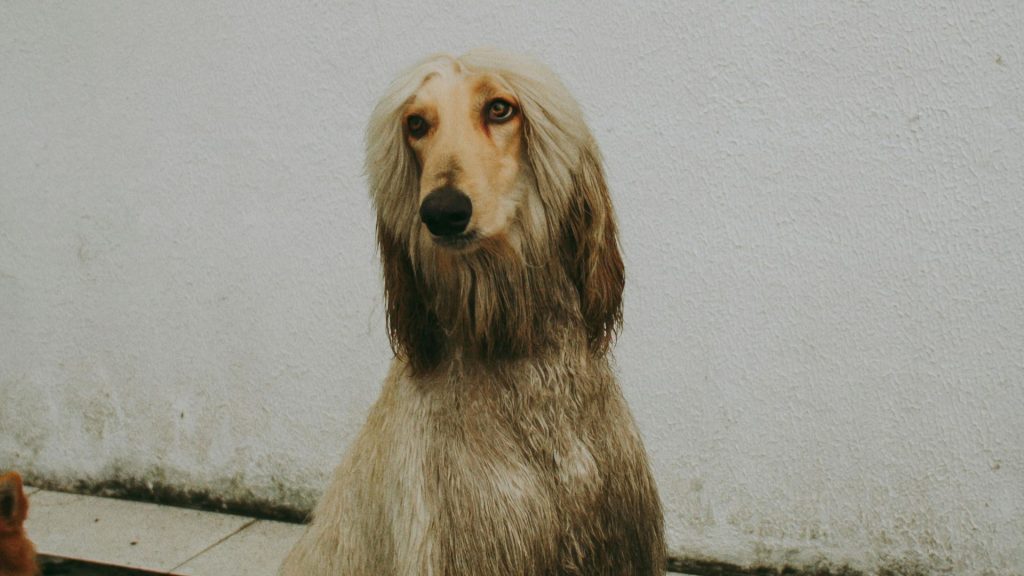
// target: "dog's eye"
[[500, 111], [417, 126]]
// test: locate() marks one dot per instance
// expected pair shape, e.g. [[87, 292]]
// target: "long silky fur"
[[501, 443]]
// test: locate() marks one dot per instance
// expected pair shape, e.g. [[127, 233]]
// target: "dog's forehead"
[[445, 82], [438, 84]]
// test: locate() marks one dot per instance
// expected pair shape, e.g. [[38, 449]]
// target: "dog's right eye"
[[417, 126]]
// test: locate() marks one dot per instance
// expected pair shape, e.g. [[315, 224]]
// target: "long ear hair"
[[412, 327], [590, 250], [566, 165], [394, 180]]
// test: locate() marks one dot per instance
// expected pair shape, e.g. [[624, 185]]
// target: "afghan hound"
[[501, 443]]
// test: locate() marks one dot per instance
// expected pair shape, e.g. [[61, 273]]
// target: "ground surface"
[[78, 535]]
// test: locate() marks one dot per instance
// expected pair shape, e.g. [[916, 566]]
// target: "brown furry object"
[[17, 555], [501, 443]]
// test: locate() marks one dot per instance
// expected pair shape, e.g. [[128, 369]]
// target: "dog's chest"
[[496, 476]]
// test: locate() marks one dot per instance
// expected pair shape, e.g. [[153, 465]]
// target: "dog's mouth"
[[456, 242]]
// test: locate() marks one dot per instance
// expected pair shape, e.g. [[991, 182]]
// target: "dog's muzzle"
[[446, 212]]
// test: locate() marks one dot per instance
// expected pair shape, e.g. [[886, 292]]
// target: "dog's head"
[[13, 504], [491, 207]]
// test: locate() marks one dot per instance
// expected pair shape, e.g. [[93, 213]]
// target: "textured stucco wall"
[[822, 208]]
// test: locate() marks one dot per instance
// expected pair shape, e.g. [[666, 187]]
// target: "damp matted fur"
[[501, 443]]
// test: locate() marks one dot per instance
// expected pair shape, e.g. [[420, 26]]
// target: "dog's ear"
[[566, 163], [412, 328], [591, 253], [393, 176]]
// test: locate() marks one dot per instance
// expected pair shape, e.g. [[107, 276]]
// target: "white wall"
[[822, 208]]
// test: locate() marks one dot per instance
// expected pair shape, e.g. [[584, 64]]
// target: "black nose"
[[446, 211]]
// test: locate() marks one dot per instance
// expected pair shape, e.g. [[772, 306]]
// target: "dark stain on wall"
[[712, 568], [127, 488]]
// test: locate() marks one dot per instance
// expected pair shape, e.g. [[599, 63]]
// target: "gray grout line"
[[215, 544]]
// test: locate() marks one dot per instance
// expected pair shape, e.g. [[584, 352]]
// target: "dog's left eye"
[[500, 111]]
